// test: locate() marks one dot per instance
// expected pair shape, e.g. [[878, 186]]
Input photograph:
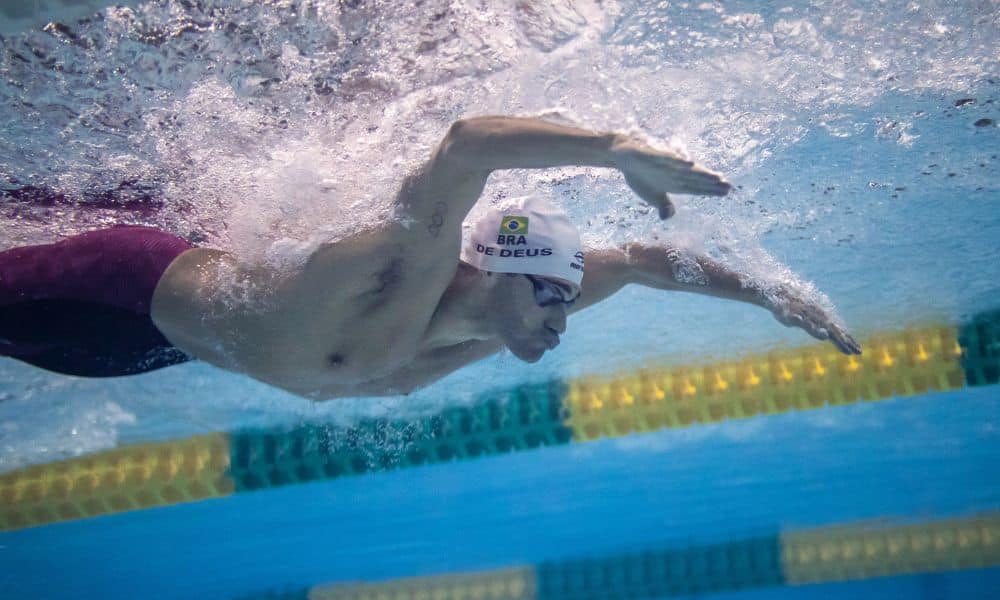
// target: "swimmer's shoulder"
[[182, 294], [191, 270], [376, 259]]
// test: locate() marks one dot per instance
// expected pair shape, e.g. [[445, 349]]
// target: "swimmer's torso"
[[352, 321]]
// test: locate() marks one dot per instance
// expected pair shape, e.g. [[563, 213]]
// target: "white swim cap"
[[527, 236]]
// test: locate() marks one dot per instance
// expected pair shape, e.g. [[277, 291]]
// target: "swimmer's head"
[[537, 250], [528, 236]]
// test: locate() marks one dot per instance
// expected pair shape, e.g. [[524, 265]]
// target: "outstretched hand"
[[652, 174], [793, 311]]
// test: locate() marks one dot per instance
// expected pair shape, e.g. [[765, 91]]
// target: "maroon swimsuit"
[[81, 306]]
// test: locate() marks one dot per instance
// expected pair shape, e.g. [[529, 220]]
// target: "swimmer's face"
[[532, 312]]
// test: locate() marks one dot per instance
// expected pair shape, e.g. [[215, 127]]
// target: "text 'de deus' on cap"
[[525, 235]]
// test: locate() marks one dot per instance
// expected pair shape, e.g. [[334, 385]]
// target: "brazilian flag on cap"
[[514, 225]]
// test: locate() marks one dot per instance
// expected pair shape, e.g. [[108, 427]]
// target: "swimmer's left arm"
[[610, 269], [672, 269]]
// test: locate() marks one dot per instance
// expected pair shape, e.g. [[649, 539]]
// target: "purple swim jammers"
[[81, 306]]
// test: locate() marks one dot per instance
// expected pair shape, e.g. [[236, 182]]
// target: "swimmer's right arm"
[[438, 196], [486, 144]]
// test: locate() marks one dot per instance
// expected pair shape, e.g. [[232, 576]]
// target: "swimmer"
[[385, 311]]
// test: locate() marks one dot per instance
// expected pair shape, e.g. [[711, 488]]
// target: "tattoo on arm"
[[437, 218], [686, 268]]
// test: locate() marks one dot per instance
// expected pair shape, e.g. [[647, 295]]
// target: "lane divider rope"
[[820, 555], [863, 551], [128, 478], [914, 361]]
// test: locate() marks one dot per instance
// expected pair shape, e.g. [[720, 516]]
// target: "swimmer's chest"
[[363, 310]]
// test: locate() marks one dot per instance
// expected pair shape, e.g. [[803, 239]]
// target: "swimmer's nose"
[[557, 321]]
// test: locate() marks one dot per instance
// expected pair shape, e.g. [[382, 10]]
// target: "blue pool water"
[[899, 460], [863, 144]]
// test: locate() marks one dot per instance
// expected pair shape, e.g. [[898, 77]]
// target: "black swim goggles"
[[549, 292]]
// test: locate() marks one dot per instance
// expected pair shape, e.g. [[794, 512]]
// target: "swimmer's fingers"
[[660, 172], [666, 208], [696, 179], [651, 196], [838, 337], [686, 177], [704, 183], [818, 324], [823, 324], [844, 342]]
